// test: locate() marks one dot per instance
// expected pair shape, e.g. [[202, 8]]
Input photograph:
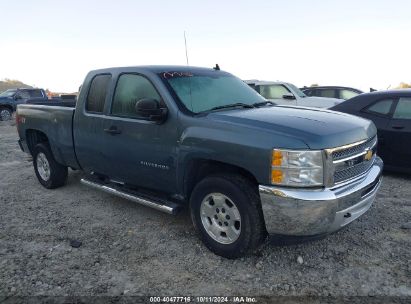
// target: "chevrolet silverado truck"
[[11, 98], [170, 137]]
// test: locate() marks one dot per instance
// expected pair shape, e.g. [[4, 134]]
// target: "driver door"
[[138, 151]]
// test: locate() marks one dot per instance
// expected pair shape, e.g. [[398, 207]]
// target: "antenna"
[[185, 43], [191, 96]]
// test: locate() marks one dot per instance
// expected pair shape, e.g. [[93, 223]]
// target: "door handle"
[[398, 127], [112, 130]]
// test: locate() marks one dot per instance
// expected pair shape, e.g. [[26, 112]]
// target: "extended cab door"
[[88, 126], [139, 151]]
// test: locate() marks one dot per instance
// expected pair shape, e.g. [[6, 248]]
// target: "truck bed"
[[54, 121], [70, 103]]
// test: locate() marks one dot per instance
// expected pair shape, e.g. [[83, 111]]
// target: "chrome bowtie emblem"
[[368, 155]]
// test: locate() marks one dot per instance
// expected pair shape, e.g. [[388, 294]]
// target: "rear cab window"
[[97, 93]]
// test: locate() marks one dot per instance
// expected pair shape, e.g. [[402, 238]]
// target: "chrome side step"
[[161, 205]]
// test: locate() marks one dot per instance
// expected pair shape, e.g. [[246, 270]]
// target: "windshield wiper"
[[264, 103], [232, 105]]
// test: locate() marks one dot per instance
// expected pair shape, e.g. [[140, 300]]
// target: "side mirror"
[[150, 109], [288, 96], [17, 97]]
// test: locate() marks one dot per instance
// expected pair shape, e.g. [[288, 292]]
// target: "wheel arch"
[[7, 106], [199, 168], [34, 137]]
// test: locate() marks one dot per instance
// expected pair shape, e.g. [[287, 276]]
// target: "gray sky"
[[53, 44]]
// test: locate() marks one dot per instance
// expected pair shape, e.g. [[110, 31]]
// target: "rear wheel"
[[226, 212], [5, 114], [50, 173]]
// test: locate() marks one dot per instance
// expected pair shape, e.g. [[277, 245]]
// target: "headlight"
[[297, 168]]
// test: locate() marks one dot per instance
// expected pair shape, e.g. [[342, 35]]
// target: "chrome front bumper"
[[304, 212]]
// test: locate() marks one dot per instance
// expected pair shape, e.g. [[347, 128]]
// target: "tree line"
[[12, 84]]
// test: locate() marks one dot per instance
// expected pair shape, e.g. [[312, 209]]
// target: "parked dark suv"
[[331, 91], [11, 98]]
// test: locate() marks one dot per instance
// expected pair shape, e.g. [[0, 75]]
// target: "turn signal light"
[[277, 158], [276, 176]]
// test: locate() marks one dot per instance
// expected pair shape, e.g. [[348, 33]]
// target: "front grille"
[[340, 154], [351, 172], [350, 162]]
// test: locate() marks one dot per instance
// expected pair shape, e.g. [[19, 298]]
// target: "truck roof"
[[155, 69]]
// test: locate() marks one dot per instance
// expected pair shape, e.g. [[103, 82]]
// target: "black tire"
[[246, 199], [57, 173], [5, 114]]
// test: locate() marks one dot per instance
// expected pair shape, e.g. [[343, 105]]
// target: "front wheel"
[[227, 214], [49, 172]]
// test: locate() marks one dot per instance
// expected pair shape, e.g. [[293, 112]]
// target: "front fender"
[[225, 146]]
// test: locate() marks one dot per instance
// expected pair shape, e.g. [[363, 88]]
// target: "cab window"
[[310, 92], [347, 94], [130, 89], [403, 110], [22, 95], [35, 94], [326, 93], [97, 94], [273, 91], [381, 107]]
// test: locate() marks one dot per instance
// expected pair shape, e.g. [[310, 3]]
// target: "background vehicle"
[[11, 98], [284, 93], [331, 91], [169, 136], [391, 113]]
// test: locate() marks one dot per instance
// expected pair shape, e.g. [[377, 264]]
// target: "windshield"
[[205, 90], [296, 90], [8, 93]]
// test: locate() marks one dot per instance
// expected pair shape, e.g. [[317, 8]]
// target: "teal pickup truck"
[[170, 137]]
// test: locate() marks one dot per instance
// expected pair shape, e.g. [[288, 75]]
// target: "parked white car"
[[284, 93]]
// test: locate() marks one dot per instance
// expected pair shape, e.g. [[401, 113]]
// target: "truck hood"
[[317, 128]]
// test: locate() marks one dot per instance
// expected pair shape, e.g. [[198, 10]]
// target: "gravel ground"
[[130, 249]]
